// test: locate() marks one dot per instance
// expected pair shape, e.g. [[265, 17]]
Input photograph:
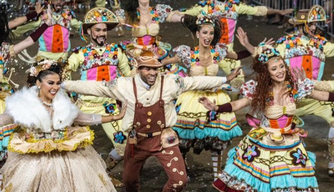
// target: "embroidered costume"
[[55, 42], [6, 89], [146, 126], [101, 63], [227, 12], [146, 37], [264, 162], [45, 145], [192, 126], [6, 51], [309, 53]]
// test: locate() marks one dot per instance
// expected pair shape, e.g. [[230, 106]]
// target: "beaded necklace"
[[292, 94], [93, 57], [195, 56], [154, 14], [318, 42]]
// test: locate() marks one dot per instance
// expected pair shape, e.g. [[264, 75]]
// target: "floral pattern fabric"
[[294, 46], [190, 56], [94, 59]]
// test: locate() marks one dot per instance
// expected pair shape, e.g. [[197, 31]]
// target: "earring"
[[38, 87]]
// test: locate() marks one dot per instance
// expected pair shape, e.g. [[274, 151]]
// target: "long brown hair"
[[264, 84]]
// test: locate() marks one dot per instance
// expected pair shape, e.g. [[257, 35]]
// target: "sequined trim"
[[23, 141]]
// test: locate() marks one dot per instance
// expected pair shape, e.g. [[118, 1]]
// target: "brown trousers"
[[170, 158]]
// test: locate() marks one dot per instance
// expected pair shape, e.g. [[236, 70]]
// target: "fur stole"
[[28, 110]]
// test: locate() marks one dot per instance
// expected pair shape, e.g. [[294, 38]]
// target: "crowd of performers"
[[155, 100]]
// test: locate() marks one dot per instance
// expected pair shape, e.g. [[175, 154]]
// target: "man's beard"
[[99, 44]]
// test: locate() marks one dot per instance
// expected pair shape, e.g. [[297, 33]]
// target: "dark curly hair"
[[190, 22], [54, 69], [4, 36], [264, 84], [130, 7]]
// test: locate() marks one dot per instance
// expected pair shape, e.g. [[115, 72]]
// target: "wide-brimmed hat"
[[315, 14], [147, 59], [99, 15]]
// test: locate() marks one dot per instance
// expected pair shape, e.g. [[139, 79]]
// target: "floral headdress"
[[98, 15], [265, 52], [41, 66], [203, 18], [315, 14]]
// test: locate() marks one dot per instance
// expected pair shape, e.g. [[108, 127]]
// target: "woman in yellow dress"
[[192, 127], [50, 148], [272, 156]]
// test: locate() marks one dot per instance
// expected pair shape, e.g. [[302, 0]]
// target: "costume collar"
[[27, 110]]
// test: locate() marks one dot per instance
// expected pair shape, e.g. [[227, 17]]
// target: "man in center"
[[149, 117]]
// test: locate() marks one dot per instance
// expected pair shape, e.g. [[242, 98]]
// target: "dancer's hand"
[[38, 8], [48, 20], [122, 113], [233, 74], [286, 11], [298, 74], [211, 106], [242, 36], [270, 41]]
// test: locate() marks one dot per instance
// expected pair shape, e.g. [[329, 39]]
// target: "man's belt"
[[149, 135]]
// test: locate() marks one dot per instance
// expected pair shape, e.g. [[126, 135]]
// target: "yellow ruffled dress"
[[47, 152], [192, 126]]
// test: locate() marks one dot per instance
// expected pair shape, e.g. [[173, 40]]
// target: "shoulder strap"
[[162, 86], [134, 88]]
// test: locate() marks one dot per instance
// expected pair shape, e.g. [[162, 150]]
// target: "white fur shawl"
[[27, 109]]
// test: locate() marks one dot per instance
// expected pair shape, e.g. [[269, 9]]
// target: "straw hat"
[[315, 14], [99, 15], [148, 59]]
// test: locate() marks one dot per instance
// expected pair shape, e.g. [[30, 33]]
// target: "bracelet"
[[31, 15], [305, 87], [243, 54], [225, 108], [331, 97], [35, 35]]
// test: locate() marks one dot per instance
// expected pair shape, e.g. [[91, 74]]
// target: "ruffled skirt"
[[192, 126], [263, 166], [81, 170]]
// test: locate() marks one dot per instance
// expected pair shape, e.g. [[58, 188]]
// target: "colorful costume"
[[101, 63], [55, 41], [192, 126], [228, 13], [146, 37], [6, 51], [45, 145], [309, 53], [262, 162], [148, 125]]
